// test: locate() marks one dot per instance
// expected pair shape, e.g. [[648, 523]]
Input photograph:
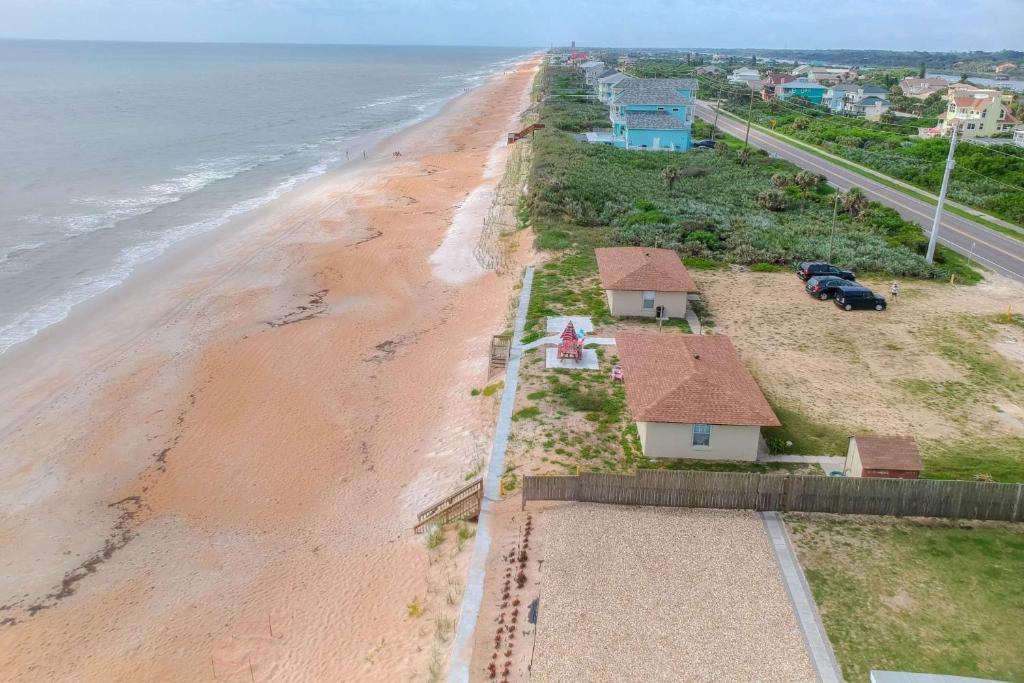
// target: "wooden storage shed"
[[892, 457]]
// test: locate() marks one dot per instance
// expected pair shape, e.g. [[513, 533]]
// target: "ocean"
[[110, 153]]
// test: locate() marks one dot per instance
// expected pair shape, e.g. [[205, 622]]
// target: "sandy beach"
[[212, 472]]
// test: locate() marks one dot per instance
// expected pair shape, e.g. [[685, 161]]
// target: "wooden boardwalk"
[[463, 504]]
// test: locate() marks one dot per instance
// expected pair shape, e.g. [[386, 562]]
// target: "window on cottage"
[[648, 300], [701, 436]]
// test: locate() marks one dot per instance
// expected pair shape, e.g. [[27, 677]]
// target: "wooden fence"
[[843, 495]]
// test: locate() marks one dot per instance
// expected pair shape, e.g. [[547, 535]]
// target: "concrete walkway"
[[829, 463], [818, 646], [462, 647], [693, 321]]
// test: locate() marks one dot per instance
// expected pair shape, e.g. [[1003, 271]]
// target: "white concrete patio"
[[588, 362]]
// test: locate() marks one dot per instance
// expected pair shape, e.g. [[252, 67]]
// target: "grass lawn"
[[914, 596], [802, 435]]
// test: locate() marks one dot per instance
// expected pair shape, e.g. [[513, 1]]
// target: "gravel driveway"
[[663, 594]]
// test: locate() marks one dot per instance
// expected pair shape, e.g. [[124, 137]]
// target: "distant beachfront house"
[[743, 74], [707, 71], [978, 112], [591, 70], [808, 90], [838, 95], [692, 397], [871, 107], [607, 84], [921, 88], [771, 82], [653, 113], [603, 73], [639, 281]]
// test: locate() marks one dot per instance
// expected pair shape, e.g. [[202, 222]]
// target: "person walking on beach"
[[364, 153], [894, 291]]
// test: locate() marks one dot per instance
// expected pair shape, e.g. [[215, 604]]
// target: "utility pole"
[[750, 112], [832, 235], [718, 107], [950, 163]]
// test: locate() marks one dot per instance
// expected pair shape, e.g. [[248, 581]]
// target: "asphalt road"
[[991, 249]]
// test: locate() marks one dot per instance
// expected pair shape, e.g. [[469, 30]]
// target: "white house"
[[692, 397], [1018, 137], [743, 75], [607, 85], [638, 281]]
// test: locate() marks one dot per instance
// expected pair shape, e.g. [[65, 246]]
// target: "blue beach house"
[[808, 90], [653, 113]]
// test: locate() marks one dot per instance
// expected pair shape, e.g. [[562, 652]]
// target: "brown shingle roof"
[[888, 453], [643, 269], [690, 379]]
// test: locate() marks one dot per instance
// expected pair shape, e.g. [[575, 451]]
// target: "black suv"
[[825, 286], [855, 296], [809, 269], [707, 144]]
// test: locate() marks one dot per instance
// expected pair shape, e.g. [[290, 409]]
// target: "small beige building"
[[692, 397], [639, 281], [891, 457]]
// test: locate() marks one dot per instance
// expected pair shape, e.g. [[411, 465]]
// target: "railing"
[[841, 495], [463, 504]]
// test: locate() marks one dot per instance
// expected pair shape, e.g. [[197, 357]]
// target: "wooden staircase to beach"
[[501, 349], [515, 137], [463, 504]]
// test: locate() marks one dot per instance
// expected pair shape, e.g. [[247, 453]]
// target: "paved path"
[[818, 645], [829, 463], [994, 250], [462, 647], [693, 321]]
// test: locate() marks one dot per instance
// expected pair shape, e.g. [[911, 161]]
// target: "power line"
[[809, 112], [996, 151], [906, 159], [1017, 188]]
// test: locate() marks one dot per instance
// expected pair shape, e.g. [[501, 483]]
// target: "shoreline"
[[370, 142], [150, 278], [267, 434]]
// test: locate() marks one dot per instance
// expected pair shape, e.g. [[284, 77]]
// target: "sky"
[[934, 25]]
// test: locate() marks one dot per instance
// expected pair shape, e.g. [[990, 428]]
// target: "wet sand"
[[215, 474]]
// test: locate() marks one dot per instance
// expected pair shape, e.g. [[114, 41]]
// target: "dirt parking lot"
[[942, 363], [663, 594]]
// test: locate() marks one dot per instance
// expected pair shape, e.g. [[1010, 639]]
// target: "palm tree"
[[806, 180], [670, 175], [854, 202], [773, 200]]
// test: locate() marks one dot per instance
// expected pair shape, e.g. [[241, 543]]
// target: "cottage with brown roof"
[[692, 397], [893, 457], [639, 281]]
